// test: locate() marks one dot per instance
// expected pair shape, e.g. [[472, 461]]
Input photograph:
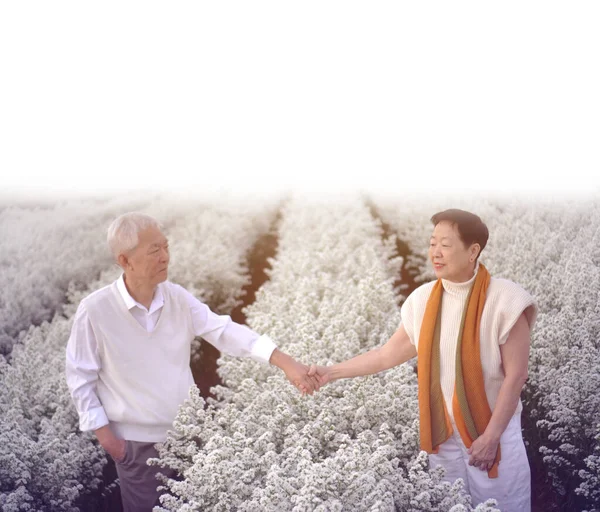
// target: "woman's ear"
[[475, 250]]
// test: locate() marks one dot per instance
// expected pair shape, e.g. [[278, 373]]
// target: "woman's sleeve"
[[407, 315], [513, 302]]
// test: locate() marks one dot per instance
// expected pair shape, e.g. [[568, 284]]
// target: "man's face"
[[149, 261]]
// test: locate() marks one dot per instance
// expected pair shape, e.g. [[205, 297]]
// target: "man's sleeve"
[[82, 366], [226, 335]]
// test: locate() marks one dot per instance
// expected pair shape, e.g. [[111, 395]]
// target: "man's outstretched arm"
[[239, 340]]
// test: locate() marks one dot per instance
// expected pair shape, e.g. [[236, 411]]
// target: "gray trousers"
[[138, 480]]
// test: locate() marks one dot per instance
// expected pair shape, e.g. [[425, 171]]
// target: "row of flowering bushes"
[[354, 445], [45, 462], [553, 250]]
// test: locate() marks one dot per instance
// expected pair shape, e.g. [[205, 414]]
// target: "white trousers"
[[512, 488]]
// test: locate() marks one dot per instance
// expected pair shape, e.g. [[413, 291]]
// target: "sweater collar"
[[158, 300], [460, 289]]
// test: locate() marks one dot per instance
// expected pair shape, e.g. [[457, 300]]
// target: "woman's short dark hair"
[[471, 228]]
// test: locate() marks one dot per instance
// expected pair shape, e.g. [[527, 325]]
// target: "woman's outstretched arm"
[[397, 350]]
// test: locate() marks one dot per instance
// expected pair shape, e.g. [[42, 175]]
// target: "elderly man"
[[128, 356]]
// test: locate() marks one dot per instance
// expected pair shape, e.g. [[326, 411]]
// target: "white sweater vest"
[[145, 376], [504, 304]]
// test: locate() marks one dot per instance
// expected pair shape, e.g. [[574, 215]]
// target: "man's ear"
[[475, 250], [123, 261]]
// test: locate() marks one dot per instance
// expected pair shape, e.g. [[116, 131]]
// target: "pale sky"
[[314, 95]]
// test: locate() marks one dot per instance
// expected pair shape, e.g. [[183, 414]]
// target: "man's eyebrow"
[[446, 237]]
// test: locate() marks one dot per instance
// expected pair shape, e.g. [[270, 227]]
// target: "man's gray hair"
[[123, 232]]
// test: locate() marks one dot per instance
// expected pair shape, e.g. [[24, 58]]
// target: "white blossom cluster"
[[46, 463], [551, 249], [351, 446], [590, 476]]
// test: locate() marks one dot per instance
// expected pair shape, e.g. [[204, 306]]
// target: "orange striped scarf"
[[470, 407]]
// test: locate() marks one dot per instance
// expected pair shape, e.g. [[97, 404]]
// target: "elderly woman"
[[128, 356], [471, 334]]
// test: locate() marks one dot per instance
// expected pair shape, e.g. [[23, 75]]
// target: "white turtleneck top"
[[504, 304]]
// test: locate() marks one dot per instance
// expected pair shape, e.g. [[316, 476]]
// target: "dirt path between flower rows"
[[205, 369], [406, 278]]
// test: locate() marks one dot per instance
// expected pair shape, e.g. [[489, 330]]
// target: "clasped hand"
[[307, 379]]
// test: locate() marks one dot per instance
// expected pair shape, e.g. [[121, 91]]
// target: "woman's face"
[[450, 258]]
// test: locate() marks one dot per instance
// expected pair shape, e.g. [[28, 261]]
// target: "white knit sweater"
[[145, 376], [504, 304]]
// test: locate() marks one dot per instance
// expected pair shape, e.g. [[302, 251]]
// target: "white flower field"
[[332, 292]]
